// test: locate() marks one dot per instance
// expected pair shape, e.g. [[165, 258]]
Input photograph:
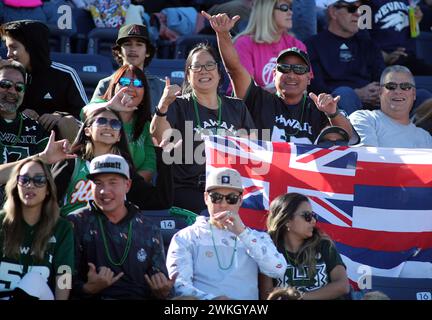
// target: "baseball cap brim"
[[295, 52], [94, 175]]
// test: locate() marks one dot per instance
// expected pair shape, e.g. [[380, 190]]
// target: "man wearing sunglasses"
[[290, 114], [21, 136], [54, 94], [218, 257], [346, 62], [391, 125]]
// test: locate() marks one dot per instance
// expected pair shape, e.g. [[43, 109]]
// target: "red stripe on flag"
[[377, 240], [255, 219], [315, 155]]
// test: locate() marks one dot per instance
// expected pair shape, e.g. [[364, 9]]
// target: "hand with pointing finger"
[[171, 91]]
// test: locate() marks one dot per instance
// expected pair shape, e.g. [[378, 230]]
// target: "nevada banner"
[[375, 203]]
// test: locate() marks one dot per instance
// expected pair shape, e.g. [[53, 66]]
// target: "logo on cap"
[[115, 165], [134, 30], [225, 179]]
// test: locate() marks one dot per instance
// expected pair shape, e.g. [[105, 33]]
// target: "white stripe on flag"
[[392, 220], [393, 155]]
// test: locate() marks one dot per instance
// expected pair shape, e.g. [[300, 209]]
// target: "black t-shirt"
[[299, 123], [181, 116]]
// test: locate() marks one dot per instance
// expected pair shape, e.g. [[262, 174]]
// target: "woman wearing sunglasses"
[[102, 133], [199, 111], [129, 94], [314, 265], [264, 37], [34, 241]]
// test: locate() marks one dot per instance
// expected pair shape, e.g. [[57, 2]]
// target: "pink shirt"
[[23, 3], [260, 58]]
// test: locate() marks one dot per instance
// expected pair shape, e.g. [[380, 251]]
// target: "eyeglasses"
[[114, 123], [231, 198], [284, 7], [7, 84], [309, 215], [209, 66], [38, 181], [405, 86], [351, 8], [125, 82], [296, 68]]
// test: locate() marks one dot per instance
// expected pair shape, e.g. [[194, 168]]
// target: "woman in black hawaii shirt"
[[199, 110]]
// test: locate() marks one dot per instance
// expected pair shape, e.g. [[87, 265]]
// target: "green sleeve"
[[149, 151], [64, 253], [42, 144], [331, 256]]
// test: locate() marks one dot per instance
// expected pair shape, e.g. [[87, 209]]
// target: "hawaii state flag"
[[375, 203]]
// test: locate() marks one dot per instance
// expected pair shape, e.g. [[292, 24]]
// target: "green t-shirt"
[[58, 257], [296, 276], [142, 149]]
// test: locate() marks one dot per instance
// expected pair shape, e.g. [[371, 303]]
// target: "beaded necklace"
[[217, 255], [127, 247]]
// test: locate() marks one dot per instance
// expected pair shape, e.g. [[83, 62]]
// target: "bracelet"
[[160, 114], [333, 115]]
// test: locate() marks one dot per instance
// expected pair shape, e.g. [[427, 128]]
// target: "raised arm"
[[159, 124], [240, 77]]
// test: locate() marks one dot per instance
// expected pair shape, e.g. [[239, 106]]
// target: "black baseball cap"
[[296, 52], [332, 129], [136, 31]]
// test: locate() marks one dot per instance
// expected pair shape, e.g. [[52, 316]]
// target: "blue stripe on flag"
[[393, 198]]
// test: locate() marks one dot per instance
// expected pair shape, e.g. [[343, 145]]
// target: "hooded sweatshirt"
[[51, 86]]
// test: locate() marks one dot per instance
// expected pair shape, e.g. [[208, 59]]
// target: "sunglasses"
[[38, 181], [7, 84], [114, 123], [284, 7], [231, 198], [296, 68], [332, 143], [309, 215], [405, 86], [351, 8], [125, 82], [209, 66]]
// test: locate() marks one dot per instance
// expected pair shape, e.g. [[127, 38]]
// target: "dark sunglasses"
[[231, 198], [332, 143], [309, 215], [114, 123], [209, 66], [125, 82], [296, 68], [7, 84], [284, 7], [351, 8], [38, 181], [405, 86]]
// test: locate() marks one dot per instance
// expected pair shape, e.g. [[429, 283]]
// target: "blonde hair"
[[261, 25], [14, 224]]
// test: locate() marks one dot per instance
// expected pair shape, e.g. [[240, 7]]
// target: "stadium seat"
[[101, 41], [90, 67], [185, 43], [424, 46], [84, 24], [173, 68], [60, 39], [423, 82], [403, 288], [168, 223]]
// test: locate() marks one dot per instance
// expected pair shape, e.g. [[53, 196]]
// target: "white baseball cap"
[[224, 178], [108, 163]]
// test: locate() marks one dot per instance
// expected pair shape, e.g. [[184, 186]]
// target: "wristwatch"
[[160, 114], [333, 115]]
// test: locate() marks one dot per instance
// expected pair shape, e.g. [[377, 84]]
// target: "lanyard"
[[197, 113]]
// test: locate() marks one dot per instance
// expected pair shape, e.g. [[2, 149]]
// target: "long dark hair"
[[186, 87], [282, 211], [83, 145], [13, 225], [142, 114]]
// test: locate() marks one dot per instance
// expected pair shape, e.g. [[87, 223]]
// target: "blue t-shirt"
[[390, 25]]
